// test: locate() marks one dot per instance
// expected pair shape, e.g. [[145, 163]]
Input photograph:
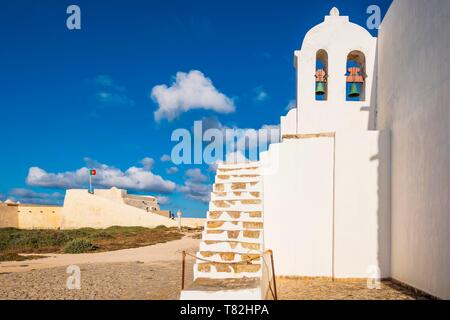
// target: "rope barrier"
[[246, 261]]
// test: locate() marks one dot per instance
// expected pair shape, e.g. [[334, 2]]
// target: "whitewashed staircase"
[[233, 231]]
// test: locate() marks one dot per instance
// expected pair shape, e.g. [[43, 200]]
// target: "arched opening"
[[356, 76], [321, 76]]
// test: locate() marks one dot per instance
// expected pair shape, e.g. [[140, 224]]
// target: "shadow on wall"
[[383, 184], [372, 108], [384, 181]]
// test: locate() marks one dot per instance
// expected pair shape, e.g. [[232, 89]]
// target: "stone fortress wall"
[[30, 216], [102, 209]]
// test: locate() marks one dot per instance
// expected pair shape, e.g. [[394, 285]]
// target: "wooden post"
[[273, 275], [183, 255]]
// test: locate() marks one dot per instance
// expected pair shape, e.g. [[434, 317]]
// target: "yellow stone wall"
[[27, 216]]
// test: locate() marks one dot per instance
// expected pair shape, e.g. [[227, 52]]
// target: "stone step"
[[234, 228], [232, 178], [236, 205], [235, 172], [233, 225], [223, 271], [228, 256], [230, 246], [229, 186], [244, 165], [224, 289], [253, 236], [235, 195], [255, 216]]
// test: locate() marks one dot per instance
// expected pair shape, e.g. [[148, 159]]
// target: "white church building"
[[358, 186]]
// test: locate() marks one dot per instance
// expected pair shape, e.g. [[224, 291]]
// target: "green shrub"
[[124, 230], [79, 246]]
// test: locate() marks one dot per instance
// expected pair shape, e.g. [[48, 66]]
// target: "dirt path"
[[169, 251], [99, 281], [152, 272]]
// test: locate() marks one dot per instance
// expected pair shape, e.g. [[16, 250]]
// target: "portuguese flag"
[[92, 172]]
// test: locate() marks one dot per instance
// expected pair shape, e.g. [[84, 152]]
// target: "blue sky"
[[83, 98]]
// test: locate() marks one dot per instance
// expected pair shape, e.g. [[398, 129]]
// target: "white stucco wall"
[[326, 207], [288, 123], [361, 205], [332, 119], [298, 205], [414, 103]]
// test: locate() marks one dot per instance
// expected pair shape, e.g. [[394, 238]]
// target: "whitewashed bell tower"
[[319, 198], [326, 206], [334, 46]]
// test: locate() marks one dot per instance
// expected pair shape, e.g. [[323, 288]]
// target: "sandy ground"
[[323, 289], [152, 272], [168, 251], [127, 280]]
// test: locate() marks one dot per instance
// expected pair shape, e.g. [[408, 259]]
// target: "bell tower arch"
[[331, 97]]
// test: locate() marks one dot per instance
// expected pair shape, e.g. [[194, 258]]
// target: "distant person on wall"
[[179, 213]]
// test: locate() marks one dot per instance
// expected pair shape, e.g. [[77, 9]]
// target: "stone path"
[[322, 289]]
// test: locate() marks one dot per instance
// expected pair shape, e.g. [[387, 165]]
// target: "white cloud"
[[213, 166], [165, 158], [109, 93], [113, 98], [211, 122], [134, 178], [196, 186], [291, 105], [106, 82], [260, 94], [29, 196], [196, 175], [172, 170], [197, 191], [163, 200], [248, 140], [147, 163], [189, 91], [236, 157], [266, 134]]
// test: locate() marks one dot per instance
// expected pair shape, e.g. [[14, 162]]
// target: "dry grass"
[[18, 257], [15, 241]]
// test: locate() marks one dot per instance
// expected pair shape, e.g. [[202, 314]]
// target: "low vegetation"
[[79, 246], [14, 242]]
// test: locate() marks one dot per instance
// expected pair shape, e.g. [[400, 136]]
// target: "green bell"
[[354, 90], [320, 88]]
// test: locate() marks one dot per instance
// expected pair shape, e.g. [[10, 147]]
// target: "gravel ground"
[[323, 289], [162, 280], [131, 280]]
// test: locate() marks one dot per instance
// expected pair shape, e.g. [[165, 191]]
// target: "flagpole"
[[90, 182]]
